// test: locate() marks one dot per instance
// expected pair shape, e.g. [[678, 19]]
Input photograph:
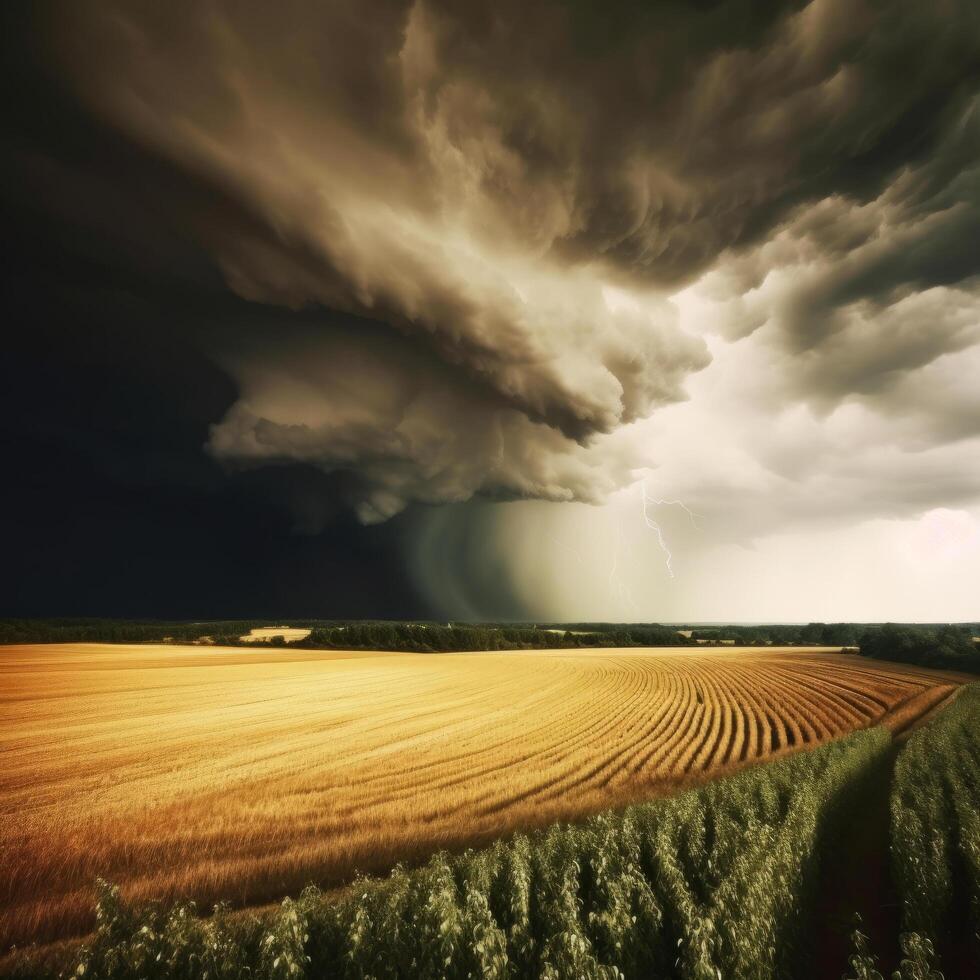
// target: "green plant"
[[862, 961], [936, 829]]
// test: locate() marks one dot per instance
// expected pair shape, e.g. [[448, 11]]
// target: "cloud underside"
[[493, 208]]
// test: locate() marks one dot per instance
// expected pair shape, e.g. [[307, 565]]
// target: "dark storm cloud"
[[695, 128], [877, 300], [473, 176], [110, 504], [349, 395], [427, 245], [916, 234], [653, 136]]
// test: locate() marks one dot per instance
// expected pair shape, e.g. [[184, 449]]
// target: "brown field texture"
[[242, 775]]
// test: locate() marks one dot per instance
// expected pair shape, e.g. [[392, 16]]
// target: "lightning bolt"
[[615, 582], [574, 552], [650, 501]]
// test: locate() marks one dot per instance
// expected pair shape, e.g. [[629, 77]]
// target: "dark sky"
[[405, 308], [110, 505]]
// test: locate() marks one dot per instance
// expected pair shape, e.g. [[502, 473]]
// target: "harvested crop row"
[[242, 775]]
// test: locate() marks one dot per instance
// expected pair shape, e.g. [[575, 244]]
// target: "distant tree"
[[949, 647]]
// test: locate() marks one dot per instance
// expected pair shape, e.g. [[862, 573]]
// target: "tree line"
[[945, 647], [94, 630], [940, 645], [436, 638]]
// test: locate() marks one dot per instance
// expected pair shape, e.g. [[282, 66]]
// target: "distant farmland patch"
[[261, 634], [241, 775]]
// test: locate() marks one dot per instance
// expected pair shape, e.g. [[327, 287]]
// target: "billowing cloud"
[[408, 426], [480, 181], [365, 255]]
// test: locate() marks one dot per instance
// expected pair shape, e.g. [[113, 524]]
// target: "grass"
[[238, 775]]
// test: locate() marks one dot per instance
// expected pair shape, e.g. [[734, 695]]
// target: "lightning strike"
[[616, 584], [653, 525]]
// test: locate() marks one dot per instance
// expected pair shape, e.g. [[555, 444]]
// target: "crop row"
[[935, 815]]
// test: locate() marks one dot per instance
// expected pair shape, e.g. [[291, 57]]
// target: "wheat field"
[[242, 774]]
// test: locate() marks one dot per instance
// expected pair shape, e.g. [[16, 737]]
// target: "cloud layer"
[[512, 194], [384, 254]]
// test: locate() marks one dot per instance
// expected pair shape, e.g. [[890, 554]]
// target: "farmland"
[[674, 888], [241, 775]]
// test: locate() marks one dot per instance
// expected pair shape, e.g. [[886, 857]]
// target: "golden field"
[[243, 774]]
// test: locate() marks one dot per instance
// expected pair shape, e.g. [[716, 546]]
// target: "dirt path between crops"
[[856, 877]]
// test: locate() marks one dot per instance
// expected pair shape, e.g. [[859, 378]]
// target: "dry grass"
[[243, 774], [290, 634]]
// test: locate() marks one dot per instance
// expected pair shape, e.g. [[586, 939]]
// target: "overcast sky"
[[573, 311]]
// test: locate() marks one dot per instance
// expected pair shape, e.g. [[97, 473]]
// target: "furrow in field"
[[608, 755]]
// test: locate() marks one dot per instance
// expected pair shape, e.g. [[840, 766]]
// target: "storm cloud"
[[439, 251], [477, 180]]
